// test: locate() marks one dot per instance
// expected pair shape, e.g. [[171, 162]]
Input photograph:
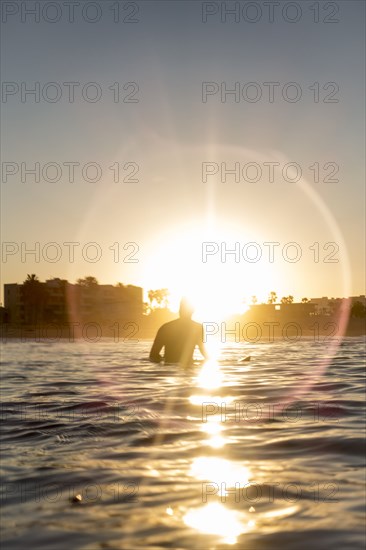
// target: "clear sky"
[[174, 136]]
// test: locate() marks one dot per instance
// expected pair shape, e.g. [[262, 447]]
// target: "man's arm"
[[157, 346], [200, 343]]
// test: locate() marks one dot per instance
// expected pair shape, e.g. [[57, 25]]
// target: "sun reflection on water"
[[214, 429], [210, 375], [215, 519], [220, 471], [215, 400]]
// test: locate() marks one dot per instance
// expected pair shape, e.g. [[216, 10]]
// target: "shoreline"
[[133, 332]]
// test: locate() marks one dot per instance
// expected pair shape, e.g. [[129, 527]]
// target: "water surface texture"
[[226, 454]]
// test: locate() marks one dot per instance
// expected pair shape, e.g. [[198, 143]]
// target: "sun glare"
[[190, 262]]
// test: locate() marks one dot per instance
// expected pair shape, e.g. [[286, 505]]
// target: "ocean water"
[[267, 453]]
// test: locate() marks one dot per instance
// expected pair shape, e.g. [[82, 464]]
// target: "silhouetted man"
[[179, 338]]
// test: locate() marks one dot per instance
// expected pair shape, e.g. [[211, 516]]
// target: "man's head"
[[185, 309]]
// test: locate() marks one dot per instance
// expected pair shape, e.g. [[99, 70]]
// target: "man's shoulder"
[[168, 325]]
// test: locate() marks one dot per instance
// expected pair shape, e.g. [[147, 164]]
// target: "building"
[[56, 310], [14, 303], [322, 306], [3, 315], [272, 312], [104, 304], [361, 298], [58, 301], [329, 306]]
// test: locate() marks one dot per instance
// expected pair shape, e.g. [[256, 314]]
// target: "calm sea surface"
[[227, 454]]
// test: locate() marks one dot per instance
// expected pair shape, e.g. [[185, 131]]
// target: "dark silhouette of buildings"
[[58, 301]]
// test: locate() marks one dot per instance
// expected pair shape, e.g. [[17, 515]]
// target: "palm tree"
[[151, 297], [160, 297], [164, 297], [31, 279], [272, 298]]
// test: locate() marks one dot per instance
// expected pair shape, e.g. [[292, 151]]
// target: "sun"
[[195, 261]]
